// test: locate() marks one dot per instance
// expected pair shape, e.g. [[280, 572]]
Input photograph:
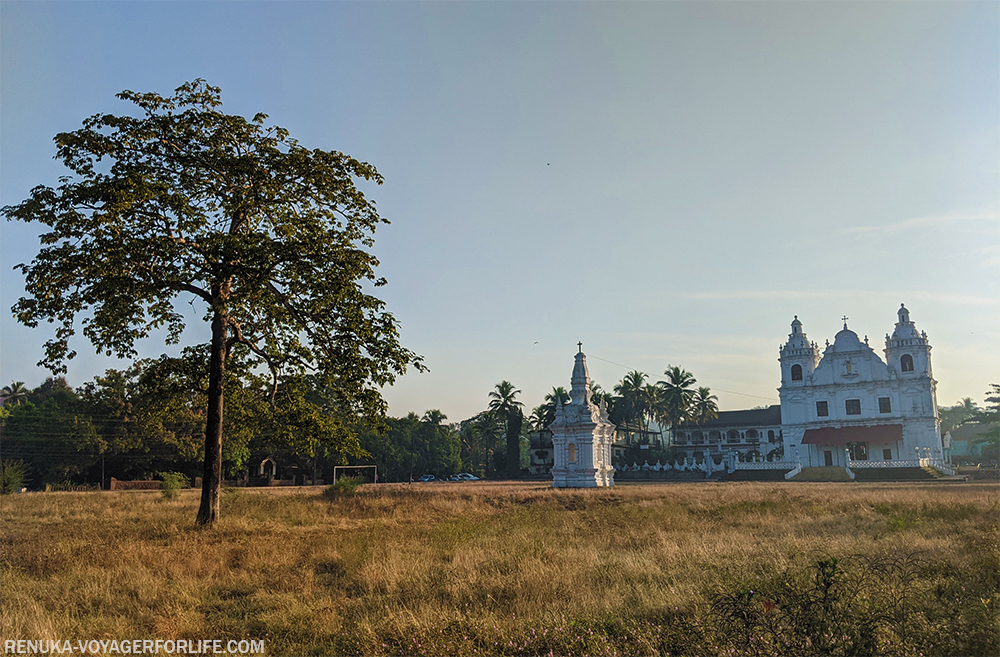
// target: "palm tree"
[[537, 418], [630, 408], [704, 406], [507, 409], [677, 395], [558, 397], [434, 416], [15, 393]]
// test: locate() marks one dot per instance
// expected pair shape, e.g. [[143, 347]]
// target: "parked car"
[[455, 477], [427, 477], [465, 476]]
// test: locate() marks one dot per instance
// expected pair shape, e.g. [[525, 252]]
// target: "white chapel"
[[582, 436], [849, 401]]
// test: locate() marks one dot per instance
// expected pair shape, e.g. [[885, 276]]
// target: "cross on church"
[[845, 320], [580, 346]]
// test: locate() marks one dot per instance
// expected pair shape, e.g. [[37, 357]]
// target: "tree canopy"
[[270, 237]]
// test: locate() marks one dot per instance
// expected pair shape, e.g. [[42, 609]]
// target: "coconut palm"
[[704, 406], [504, 405], [558, 397], [537, 418], [678, 395], [15, 393], [434, 416], [630, 408]]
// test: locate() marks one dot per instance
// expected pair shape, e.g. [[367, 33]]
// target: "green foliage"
[[172, 483], [860, 605], [15, 393], [268, 237], [990, 416], [55, 442], [344, 486], [412, 446], [504, 405], [12, 475]]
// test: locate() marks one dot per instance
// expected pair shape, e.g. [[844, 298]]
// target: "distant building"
[[848, 398], [965, 447], [750, 434], [540, 452]]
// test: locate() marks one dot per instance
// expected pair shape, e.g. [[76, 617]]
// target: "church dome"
[[905, 329], [847, 340]]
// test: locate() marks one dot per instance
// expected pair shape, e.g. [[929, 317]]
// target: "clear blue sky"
[[668, 182]]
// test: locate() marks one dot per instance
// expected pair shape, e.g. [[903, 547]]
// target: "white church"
[[849, 403], [844, 407]]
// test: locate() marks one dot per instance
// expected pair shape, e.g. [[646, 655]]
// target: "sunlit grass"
[[496, 568]]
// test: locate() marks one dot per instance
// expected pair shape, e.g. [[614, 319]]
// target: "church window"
[[714, 436], [752, 434], [887, 454], [770, 435], [797, 372], [572, 453], [734, 436], [853, 406], [906, 363], [822, 408], [884, 405]]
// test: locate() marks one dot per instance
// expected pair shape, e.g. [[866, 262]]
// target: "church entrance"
[[828, 458]]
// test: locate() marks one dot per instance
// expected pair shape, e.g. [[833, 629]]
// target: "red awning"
[[882, 433]]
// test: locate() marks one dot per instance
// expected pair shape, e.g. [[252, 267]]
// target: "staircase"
[[896, 474]]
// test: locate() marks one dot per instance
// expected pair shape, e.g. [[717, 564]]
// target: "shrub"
[[12, 475], [343, 486], [172, 482]]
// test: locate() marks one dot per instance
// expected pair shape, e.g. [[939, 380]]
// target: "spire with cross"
[[580, 346], [845, 318]]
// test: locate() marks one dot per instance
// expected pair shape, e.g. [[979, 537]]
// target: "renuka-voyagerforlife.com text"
[[133, 646]]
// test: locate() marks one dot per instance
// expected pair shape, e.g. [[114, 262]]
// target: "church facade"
[[847, 402]]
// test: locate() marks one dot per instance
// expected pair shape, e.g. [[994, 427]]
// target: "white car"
[[465, 476]]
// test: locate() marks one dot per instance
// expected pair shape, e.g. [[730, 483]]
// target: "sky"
[[668, 182]]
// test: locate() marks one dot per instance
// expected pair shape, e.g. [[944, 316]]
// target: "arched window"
[[734, 436], [572, 453], [906, 363], [797, 372], [770, 435]]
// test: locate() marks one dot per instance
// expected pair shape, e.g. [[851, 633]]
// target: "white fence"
[[764, 465], [937, 464]]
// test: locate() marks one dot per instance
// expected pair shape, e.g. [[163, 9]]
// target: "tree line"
[[151, 418]]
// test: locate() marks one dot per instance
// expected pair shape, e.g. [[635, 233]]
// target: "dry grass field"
[[511, 569]]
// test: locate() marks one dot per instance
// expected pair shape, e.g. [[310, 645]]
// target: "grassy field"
[[509, 569]]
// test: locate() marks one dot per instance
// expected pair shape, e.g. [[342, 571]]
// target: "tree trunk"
[[514, 443], [211, 484]]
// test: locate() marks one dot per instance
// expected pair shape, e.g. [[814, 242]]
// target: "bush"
[[343, 486], [172, 482], [12, 474]]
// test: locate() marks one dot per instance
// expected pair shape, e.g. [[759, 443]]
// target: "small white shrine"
[[582, 436]]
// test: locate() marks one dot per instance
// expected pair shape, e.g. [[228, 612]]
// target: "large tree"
[[678, 395], [271, 238], [629, 410], [504, 405]]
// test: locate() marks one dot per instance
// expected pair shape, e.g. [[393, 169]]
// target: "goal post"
[[374, 472]]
